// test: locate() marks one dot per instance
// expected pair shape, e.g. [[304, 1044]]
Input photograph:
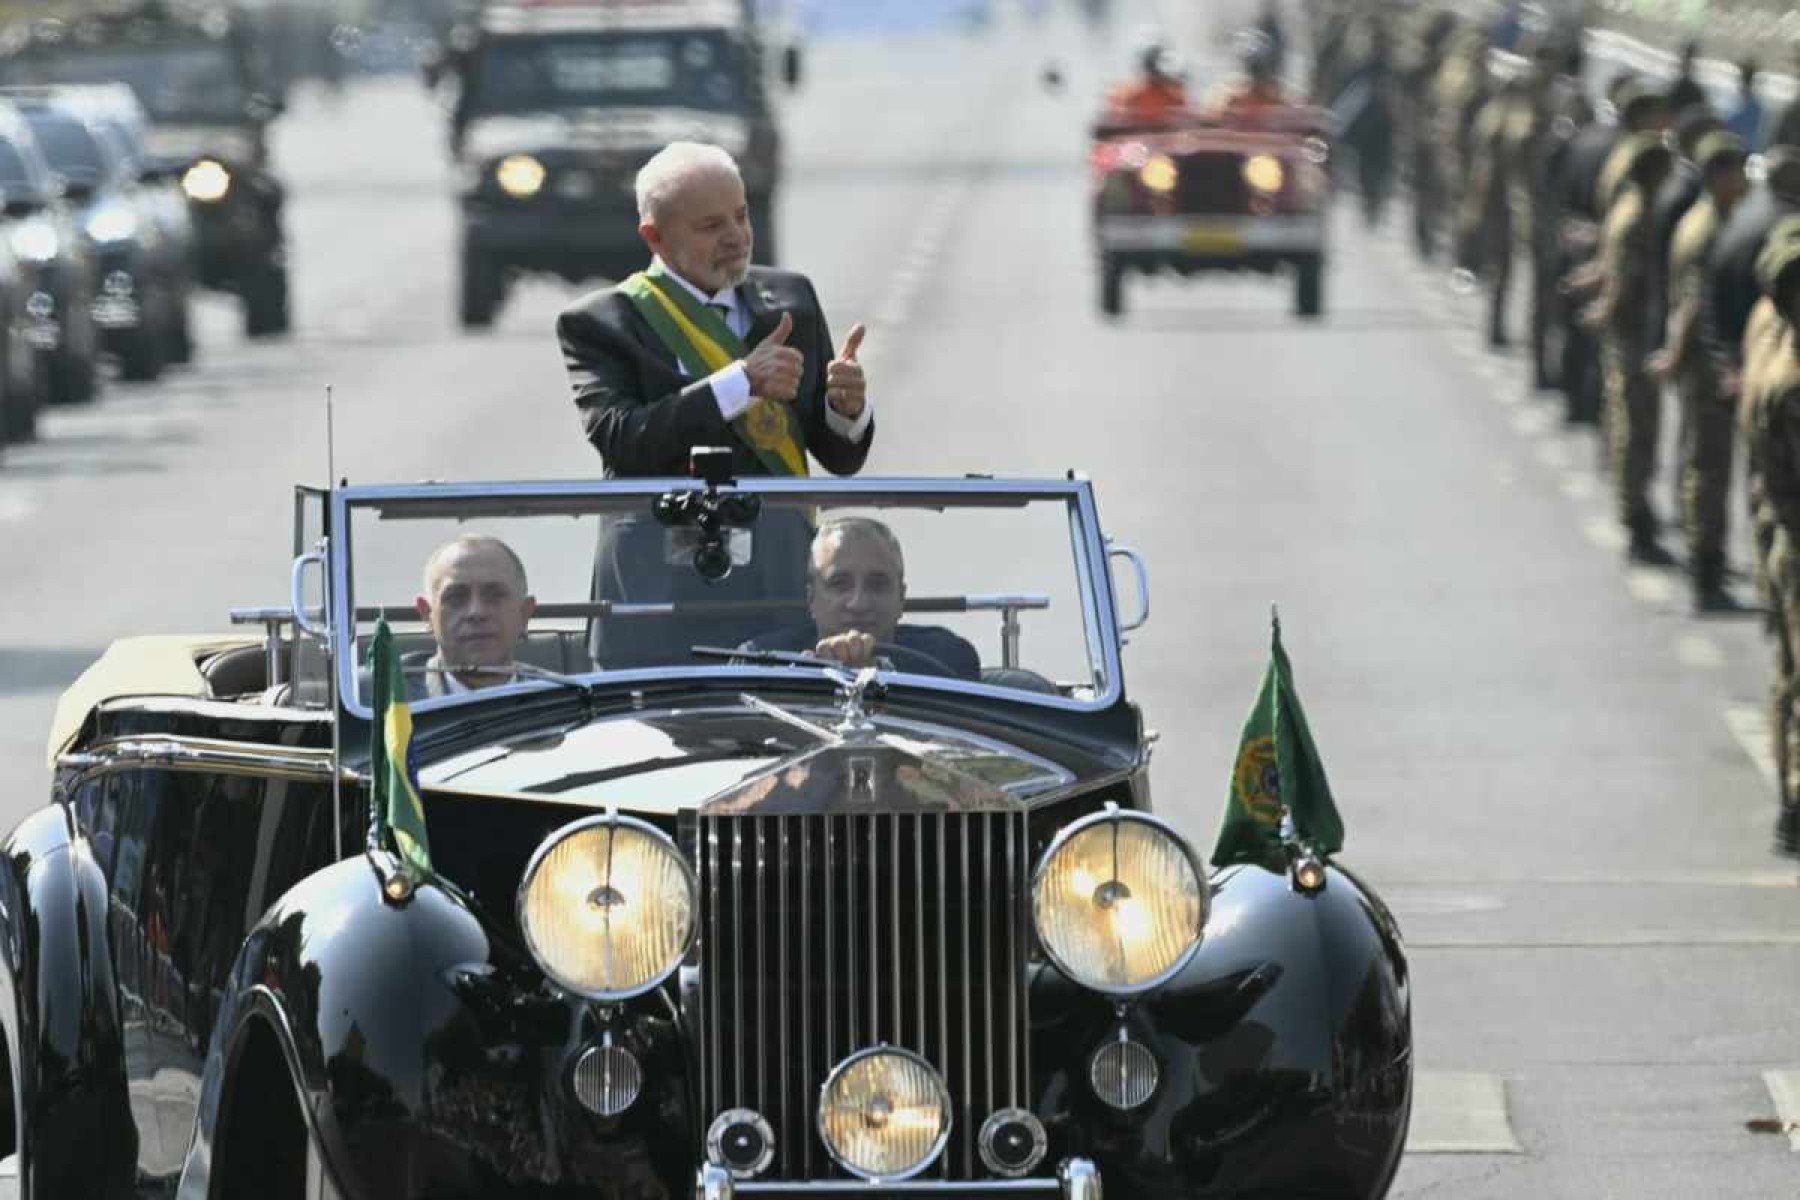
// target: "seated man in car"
[[478, 605], [1155, 95], [856, 593]]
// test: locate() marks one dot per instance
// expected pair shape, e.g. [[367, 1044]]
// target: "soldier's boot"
[[1787, 828], [1496, 337], [1645, 547], [1711, 597]]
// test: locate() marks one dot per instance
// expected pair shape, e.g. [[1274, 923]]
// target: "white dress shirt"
[[731, 385]]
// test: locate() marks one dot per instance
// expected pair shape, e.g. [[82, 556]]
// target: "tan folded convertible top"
[[164, 665]]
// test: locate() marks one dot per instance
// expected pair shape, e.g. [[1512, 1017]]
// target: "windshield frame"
[[1093, 575], [476, 104]]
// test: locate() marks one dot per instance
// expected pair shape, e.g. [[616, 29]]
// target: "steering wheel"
[[914, 662]]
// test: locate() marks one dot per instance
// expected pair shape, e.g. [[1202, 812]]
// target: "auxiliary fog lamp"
[[884, 1114]]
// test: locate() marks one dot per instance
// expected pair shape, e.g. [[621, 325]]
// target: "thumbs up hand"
[[774, 366], [845, 388]]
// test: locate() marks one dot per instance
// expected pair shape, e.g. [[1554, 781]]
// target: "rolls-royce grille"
[[1212, 182], [822, 935]]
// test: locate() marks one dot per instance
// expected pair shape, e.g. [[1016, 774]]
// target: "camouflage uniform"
[[1773, 404], [1458, 94], [1486, 216], [1563, 111], [1425, 58], [1625, 314], [1706, 406]]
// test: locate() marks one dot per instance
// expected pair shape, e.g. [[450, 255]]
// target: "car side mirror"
[[792, 65]]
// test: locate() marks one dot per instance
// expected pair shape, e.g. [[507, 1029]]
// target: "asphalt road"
[[1544, 764]]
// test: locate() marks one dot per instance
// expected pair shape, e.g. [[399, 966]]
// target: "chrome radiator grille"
[[825, 934]]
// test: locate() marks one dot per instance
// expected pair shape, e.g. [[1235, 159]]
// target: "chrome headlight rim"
[[944, 1103], [1111, 814], [585, 824]]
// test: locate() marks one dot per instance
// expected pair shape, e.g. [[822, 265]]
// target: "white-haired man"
[[703, 349]]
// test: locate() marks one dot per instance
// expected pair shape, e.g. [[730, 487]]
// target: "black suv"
[[41, 230], [202, 86], [558, 106]]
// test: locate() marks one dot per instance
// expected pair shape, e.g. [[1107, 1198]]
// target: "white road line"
[[1605, 533], [1652, 587], [1784, 1089], [1579, 485], [1700, 651], [1750, 728], [1531, 422], [1460, 1113]]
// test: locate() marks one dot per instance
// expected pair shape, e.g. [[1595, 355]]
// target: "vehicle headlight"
[[520, 176], [207, 181], [1264, 172], [1159, 174], [1120, 902], [112, 223], [607, 907], [35, 241], [884, 1114]]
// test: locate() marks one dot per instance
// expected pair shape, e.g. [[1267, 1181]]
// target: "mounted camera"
[[712, 515]]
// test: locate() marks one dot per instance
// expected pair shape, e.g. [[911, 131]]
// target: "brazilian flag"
[[394, 792], [1278, 774]]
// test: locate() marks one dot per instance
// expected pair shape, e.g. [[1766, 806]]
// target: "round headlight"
[[520, 175], [1120, 902], [607, 907], [206, 181], [1263, 172], [884, 1114], [1159, 174]]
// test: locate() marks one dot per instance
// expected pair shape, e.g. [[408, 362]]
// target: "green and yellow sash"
[[703, 343]]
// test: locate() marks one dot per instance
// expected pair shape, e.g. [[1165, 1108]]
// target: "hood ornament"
[[855, 724]]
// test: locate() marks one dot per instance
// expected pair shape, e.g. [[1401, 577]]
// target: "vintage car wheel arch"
[[62, 890]]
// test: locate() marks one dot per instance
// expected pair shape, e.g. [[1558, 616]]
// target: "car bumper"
[[1075, 1179], [575, 243], [1221, 238]]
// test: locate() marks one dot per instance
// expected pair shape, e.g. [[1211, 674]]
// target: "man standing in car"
[[703, 349]]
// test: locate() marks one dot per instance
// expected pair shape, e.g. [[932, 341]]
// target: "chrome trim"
[[1015, 972], [737, 958], [1113, 813], [582, 826], [1040, 1141], [714, 985], [713, 1183], [1142, 574], [783, 858], [178, 753], [987, 955], [905, 1187], [806, 1038], [943, 973], [303, 616], [607, 1079], [1079, 1179], [1121, 1054], [968, 1053], [937, 1148], [715, 1136]]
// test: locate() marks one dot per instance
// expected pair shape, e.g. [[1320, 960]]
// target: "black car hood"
[[741, 757]]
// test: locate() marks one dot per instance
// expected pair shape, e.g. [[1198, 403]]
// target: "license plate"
[[1205, 239]]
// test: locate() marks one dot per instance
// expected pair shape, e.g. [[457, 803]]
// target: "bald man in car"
[[478, 605]]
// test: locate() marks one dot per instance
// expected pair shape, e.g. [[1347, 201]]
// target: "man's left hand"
[[845, 388]]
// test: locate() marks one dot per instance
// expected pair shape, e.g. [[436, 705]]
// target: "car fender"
[[354, 988], [59, 1005], [1284, 1049]]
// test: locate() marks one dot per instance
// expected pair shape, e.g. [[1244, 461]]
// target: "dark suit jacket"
[[644, 415]]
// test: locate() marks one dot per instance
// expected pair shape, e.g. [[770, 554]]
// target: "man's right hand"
[[775, 367], [853, 649]]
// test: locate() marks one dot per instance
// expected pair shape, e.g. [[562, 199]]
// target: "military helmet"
[[1779, 257]]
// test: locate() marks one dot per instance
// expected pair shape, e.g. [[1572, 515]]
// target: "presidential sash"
[[703, 343]]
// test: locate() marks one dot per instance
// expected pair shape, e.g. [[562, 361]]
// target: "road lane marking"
[[1784, 1089], [1457, 1112], [1605, 533], [1698, 650], [1578, 485], [1750, 727]]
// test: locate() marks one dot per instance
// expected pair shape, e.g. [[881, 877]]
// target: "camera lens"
[[712, 561]]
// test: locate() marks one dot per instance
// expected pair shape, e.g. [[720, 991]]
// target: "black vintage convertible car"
[[686, 916]]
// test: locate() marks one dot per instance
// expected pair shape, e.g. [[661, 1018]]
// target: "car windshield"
[[69, 145], [192, 82], [674, 68], [960, 589]]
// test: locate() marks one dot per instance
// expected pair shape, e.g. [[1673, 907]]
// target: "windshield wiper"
[[768, 658]]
